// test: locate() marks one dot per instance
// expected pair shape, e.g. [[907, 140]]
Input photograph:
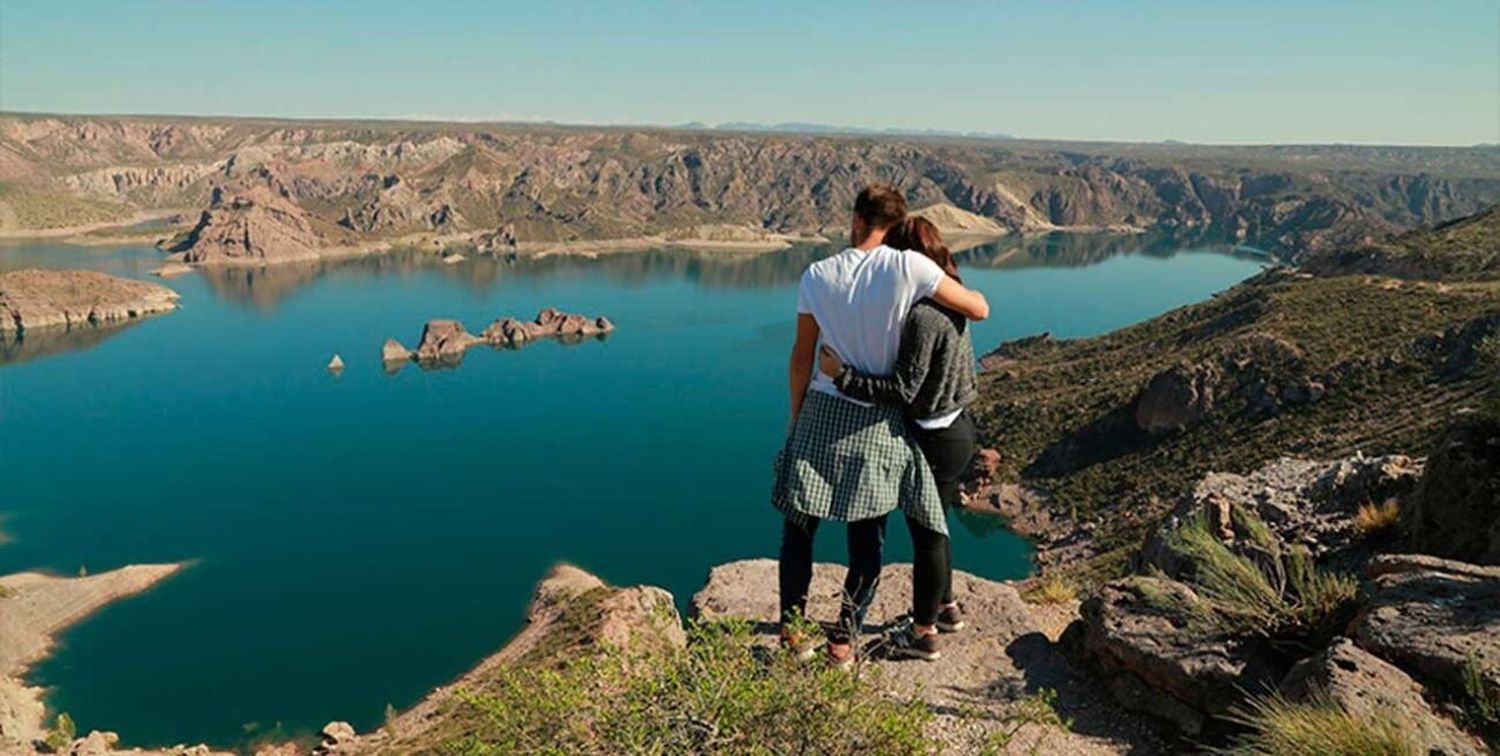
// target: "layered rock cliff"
[[380, 181]]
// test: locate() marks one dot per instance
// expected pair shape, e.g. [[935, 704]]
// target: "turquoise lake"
[[358, 539]]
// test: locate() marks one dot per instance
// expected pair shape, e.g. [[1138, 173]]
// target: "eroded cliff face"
[[385, 180]]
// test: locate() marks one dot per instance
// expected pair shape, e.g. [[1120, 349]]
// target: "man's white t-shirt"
[[860, 300]]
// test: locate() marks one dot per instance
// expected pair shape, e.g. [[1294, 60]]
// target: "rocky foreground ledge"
[[34, 299]]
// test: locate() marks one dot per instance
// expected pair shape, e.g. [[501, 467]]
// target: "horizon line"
[[729, 127]]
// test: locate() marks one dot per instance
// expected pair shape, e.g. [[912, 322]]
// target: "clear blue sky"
[[1388, 71]]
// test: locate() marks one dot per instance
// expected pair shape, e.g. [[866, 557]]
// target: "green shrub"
[[1262, 589], [63, 733], [1320, 727], [719, 695]]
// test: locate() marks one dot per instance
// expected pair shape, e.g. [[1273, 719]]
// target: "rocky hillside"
[[1465, 248], [1108, 431], [304, 184]]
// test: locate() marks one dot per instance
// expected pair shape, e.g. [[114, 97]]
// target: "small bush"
[[63, 733], [1320, 727], [1377, 519], [1261, 590], [6, 592], [1050, 590], [719, 695]]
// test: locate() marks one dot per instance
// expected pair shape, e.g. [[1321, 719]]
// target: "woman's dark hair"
[[920, 235]]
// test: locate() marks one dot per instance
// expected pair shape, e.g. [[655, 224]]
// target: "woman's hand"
[[829, 362]]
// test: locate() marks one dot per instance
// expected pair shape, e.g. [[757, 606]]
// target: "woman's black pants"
[[866, 541], [948, 451]]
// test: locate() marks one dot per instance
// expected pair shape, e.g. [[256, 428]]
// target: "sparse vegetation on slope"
[[721, 694], [1119, 426]]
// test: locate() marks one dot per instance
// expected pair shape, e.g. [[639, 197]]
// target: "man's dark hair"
[[880, 205]]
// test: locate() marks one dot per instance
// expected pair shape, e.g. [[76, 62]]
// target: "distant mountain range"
[[797, 127]]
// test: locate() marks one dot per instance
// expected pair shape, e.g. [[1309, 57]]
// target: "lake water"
[[358, 539]]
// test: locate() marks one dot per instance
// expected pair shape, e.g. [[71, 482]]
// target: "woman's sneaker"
[[951, 619], [840, 655], [911, 645]]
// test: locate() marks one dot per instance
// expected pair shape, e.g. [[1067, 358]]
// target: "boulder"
[[1147, 637], [1456, 510], [1375, 690], [443, 341], [336, 364], [1435, 622], [1176, 398], [393, 351], [337, 736], [96, 743], [1305, 503]]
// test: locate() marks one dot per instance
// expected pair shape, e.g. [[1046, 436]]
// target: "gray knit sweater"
[[934, 372]]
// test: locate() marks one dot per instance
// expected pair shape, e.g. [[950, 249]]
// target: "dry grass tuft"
[[1320, 727], [1050, 590], [1377, 519]]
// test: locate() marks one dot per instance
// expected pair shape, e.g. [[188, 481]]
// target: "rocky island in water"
[[444, 341]]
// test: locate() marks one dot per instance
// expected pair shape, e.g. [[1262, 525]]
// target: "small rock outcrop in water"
[[36, 299], [336, 364], [444, 341], [548, 323]]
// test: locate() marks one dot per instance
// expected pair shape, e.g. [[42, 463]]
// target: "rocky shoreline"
[[34, 608]]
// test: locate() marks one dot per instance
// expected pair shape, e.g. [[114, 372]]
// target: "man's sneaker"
[[910, 645], [800, 645], [951, 619]]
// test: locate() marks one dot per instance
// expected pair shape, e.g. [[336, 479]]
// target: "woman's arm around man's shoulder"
[[961, 299]]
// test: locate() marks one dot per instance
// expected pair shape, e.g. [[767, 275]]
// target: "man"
[[846, 460]]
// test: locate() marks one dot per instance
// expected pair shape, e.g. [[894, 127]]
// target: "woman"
[[934, 381]]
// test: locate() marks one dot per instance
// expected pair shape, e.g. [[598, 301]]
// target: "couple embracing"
[[878, 420]]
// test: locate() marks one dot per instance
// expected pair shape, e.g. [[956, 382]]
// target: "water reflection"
[[46, 341], [265, 287], [268, 287]]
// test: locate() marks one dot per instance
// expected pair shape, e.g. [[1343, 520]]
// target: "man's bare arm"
[[961, 299], [799, 371]]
